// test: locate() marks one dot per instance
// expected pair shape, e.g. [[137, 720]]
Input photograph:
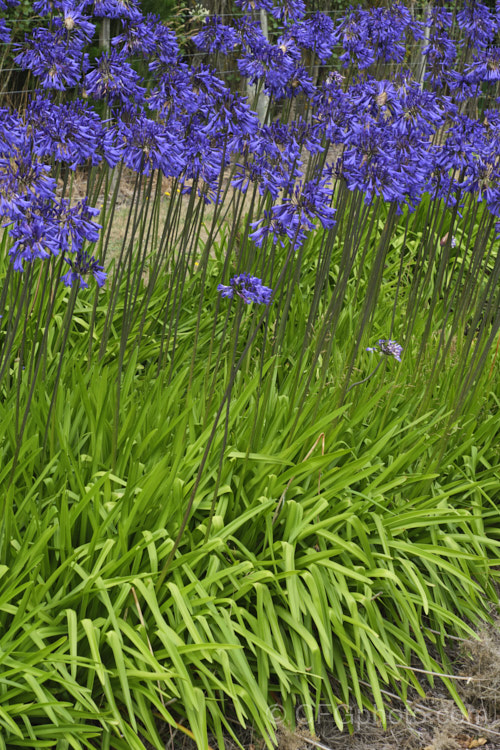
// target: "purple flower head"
[[310, 201], [150, 145], [478, 23], [4, 32], [83, 265], [274, 63], [441, 53], [74, 225], [486, 66], [315, 33], [380, 160], [332, 108], [42, 228], [388, 347], [33, 241], [4, 4], [215, 36], [273, 225], [249, 288], [232, 116], [288, 10], [49, 54], [69, 133], [250, 5], [118, 9], [423, 112], [468, 160], [114, 79], [74, 22], [271, 157], [22, 176], [249, 33], [148, 37], [377, 34], [439, 18]]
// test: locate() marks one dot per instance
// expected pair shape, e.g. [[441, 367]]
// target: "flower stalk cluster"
[[381, 129]]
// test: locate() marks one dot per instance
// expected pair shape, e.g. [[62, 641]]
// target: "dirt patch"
[[178, 216], [433, 723]]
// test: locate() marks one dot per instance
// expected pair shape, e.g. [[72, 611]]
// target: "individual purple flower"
[[82, 266], [248, 288], [388, 347]]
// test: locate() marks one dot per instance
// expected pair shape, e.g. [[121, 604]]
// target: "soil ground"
[[433, 723]]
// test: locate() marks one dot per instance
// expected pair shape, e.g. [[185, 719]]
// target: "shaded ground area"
[[434, 723]]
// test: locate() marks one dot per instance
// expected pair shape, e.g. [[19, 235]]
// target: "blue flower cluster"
[[375, 133], [388, 347], [248, 288], [82, 265]]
